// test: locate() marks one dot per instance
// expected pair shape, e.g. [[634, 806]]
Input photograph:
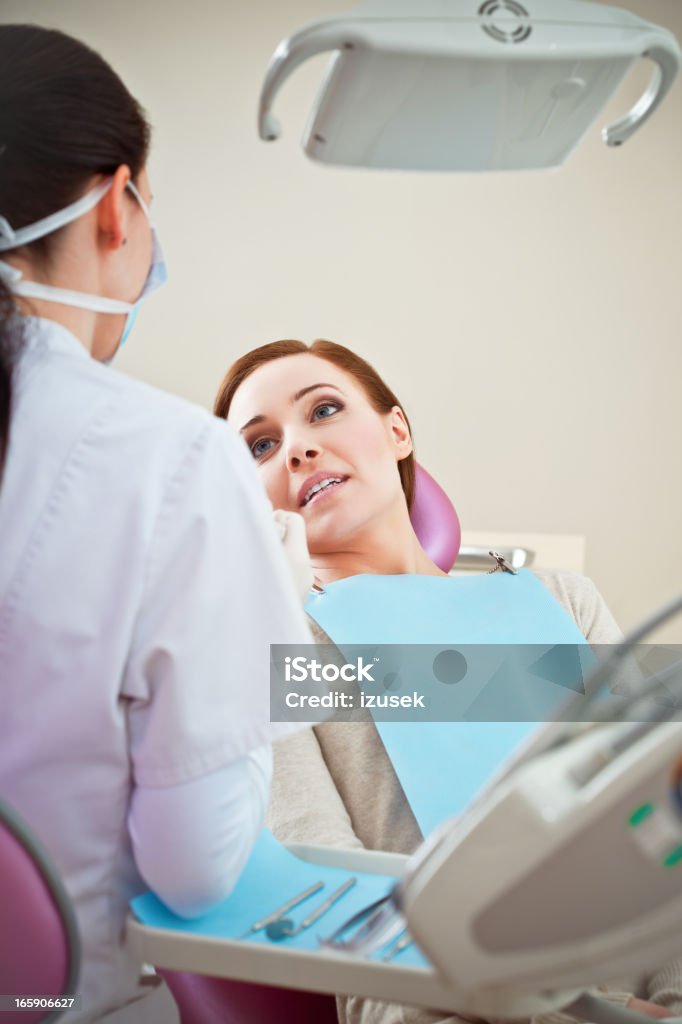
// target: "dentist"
[[141, 577]]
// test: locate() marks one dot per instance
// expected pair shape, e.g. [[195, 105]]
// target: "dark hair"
[[65, 116], [377, 390]]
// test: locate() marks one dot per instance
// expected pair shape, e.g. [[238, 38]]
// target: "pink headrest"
[[435, 521]]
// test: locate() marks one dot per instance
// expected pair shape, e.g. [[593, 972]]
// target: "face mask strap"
[[147, 211], [82, 300], [11, 239]]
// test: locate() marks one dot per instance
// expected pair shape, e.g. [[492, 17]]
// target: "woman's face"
[[321, 448]]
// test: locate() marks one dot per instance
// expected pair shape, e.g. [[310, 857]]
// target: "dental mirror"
[[286, 928]]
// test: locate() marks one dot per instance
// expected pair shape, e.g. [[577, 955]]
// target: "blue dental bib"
[[442, 765]]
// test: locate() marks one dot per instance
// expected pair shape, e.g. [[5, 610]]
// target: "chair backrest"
[[435, 521], [39, 941]]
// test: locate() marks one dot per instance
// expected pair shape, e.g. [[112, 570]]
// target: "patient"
[[332, 443]]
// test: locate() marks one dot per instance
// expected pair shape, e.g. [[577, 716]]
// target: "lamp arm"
[[667, 57], [292, 52]]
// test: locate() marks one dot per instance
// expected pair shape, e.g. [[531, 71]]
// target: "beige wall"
[[530, 322]]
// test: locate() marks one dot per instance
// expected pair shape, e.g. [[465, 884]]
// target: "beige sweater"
[[335, 786]]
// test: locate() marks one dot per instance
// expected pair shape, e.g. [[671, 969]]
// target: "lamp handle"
[[666, 55], [318, 38]]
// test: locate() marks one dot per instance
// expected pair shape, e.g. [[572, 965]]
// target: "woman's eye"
[[261, 447], [324, 411]]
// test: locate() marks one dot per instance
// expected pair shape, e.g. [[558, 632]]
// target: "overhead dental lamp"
[[460, 85]]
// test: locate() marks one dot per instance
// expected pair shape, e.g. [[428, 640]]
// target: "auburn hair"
[[380, 396]]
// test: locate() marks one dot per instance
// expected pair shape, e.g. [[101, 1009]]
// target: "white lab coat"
[[141, 582]]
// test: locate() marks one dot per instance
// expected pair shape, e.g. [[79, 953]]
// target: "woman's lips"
[[325, 491]]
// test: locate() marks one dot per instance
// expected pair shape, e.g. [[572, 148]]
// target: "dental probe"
[[282, 927], [294, 902]]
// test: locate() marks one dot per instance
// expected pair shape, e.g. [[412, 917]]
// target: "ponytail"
[[65, 116], [8, 344]]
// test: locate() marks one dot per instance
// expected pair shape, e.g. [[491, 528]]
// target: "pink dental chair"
[[435, 521], [39, 941]]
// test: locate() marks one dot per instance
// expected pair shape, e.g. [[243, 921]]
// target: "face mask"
[[10, 239]]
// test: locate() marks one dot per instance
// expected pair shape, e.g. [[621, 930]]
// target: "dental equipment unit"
[[460, 85], [567, 871]]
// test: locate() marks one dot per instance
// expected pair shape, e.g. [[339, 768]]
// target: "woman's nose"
[[301, 452]]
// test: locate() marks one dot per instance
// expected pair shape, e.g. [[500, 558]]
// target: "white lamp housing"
[[460, 85]]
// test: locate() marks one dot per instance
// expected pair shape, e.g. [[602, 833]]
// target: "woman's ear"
[[400, 433], [111, 211]]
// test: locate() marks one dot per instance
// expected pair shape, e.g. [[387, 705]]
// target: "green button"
[[674, 857], [638, 815]]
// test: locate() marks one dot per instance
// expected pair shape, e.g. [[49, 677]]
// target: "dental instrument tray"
[[460, 85], [226, 947]]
